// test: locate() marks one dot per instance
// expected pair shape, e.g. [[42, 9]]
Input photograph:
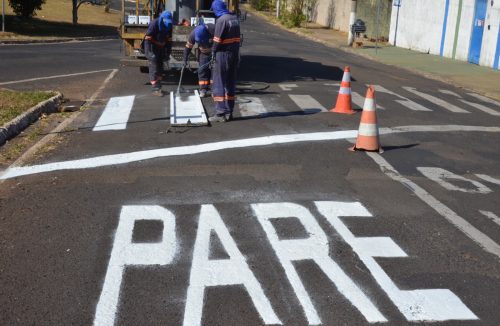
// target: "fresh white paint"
[[441, 176], [251, 106], [415, 305], [481, 107], [492, 216], [437, 101], [307, 103], [220, 272], [187, 110], [448, 92], [484, 99], [468, 229], [56, 76], [402, 100], [115, 114], [359, 101], [315, 247], [488, 178], [287, 87], [125, 253]]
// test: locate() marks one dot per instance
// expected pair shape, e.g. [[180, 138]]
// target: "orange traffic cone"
[[368, 136], [344, 100]]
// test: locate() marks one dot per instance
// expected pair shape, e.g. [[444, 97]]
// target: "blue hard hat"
[[219, 8], [165, 20], [201, 35]]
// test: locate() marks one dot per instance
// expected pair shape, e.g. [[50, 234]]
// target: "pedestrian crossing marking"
[[115, 114], [307, 103], [484, 99], [251, 106], [403, 100], [360, 101], [448, 92], [435, 100], [288, 87], [481, 107]]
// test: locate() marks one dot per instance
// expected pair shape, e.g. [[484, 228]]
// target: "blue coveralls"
[[205, 47], [157, 45], [226, 49]]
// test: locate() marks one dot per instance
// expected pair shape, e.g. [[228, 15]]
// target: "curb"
[[66, 40], [18, 124]]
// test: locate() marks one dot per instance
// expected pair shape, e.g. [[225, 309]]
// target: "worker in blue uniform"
[[201, 35], [225, 54], [157, 46]]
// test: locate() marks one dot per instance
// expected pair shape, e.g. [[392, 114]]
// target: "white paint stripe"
[[488, 178], [403, 100], [367, 129], [307, 103], [124, 158], [116, 114], [360, 101], [492, 216], [332, 84], [287, 87], [415, 305], [56, 76], [440, 176], [412, 105], [482, 108], [437, 101], [484, 99], [468, 229], [448, 92], [251, 106]]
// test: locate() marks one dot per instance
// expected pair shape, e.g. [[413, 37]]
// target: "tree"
[[78, 3], [26, 8]]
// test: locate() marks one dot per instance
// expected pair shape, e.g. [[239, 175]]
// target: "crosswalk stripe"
[[360, 101], [251, 106], [307, 103], [287, 87], [482, 108], [437, 101], [447, 92], [116, 114], [492, 216], [403, 100], [484, 99]]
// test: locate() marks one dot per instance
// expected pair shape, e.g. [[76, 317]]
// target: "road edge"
[[58, 41]]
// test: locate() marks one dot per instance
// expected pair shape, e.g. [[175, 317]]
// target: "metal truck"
[[137, 14]]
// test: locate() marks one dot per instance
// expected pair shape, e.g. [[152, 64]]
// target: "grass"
[[54, 21], [13, 103]]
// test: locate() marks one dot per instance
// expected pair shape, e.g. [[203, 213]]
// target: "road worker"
[[157, 47], [201, 35], [225, 54]]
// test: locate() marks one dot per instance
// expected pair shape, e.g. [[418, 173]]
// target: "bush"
[[295, 16], [26, 8], [261, 4]]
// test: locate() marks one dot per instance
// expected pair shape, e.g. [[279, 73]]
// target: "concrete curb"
[[66, 40], [18, 124]]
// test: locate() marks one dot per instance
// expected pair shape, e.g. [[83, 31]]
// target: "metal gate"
[[477, 31]]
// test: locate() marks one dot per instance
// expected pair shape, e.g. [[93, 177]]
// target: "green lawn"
[[13, 104]]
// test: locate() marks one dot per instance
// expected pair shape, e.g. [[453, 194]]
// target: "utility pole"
[[352, 19], [3, 16]]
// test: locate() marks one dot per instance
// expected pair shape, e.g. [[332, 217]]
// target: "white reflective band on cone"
[[367, 129], [369, 104], [345, 91], [346, 77]]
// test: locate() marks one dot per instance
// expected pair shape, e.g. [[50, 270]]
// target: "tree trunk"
[[75, 12]]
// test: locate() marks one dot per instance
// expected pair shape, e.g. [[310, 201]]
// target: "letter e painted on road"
[[220, 272], [441, 175], [315, 248], [125, 252]]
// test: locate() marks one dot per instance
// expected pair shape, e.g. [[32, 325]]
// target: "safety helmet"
[[165, 21]]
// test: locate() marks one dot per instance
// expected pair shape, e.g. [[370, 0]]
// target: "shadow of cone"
[[344, 100], [368, 135]]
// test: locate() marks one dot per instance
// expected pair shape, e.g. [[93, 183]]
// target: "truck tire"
[[144, 70]]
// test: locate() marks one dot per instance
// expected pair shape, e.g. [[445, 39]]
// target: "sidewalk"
[[479, 79]]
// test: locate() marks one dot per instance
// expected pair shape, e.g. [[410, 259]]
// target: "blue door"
[[477, 31]]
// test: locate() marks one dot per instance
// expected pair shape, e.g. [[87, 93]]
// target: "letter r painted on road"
[[315, 248], [125, 252]]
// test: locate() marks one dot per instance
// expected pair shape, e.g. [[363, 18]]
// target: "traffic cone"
[[368, 136], [344, 100]]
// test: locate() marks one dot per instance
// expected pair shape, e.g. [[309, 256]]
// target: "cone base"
[[335, 110], [380, 150]]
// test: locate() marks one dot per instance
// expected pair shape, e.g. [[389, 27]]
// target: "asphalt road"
[[268, 219]]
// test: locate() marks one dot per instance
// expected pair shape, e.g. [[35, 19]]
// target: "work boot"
[[203, 93], [157, 92], [217, 118], [229, 116]]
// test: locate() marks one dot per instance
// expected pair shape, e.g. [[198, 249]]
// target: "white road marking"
[[360, 101], [251, 106], [448, 92], [220, 272], [315, 247], [492, 216], [440, 176], [437, 101], [116, 114], [288, 87], [484, 99], [482, 108], [487, 178], [403, 100], [125, 253], [332, 84], [307, 103], [124, 158], [56, 76], [415, 305], [468, 229]]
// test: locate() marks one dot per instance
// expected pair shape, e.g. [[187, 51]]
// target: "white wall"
[[333, 13], [490, 36]]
